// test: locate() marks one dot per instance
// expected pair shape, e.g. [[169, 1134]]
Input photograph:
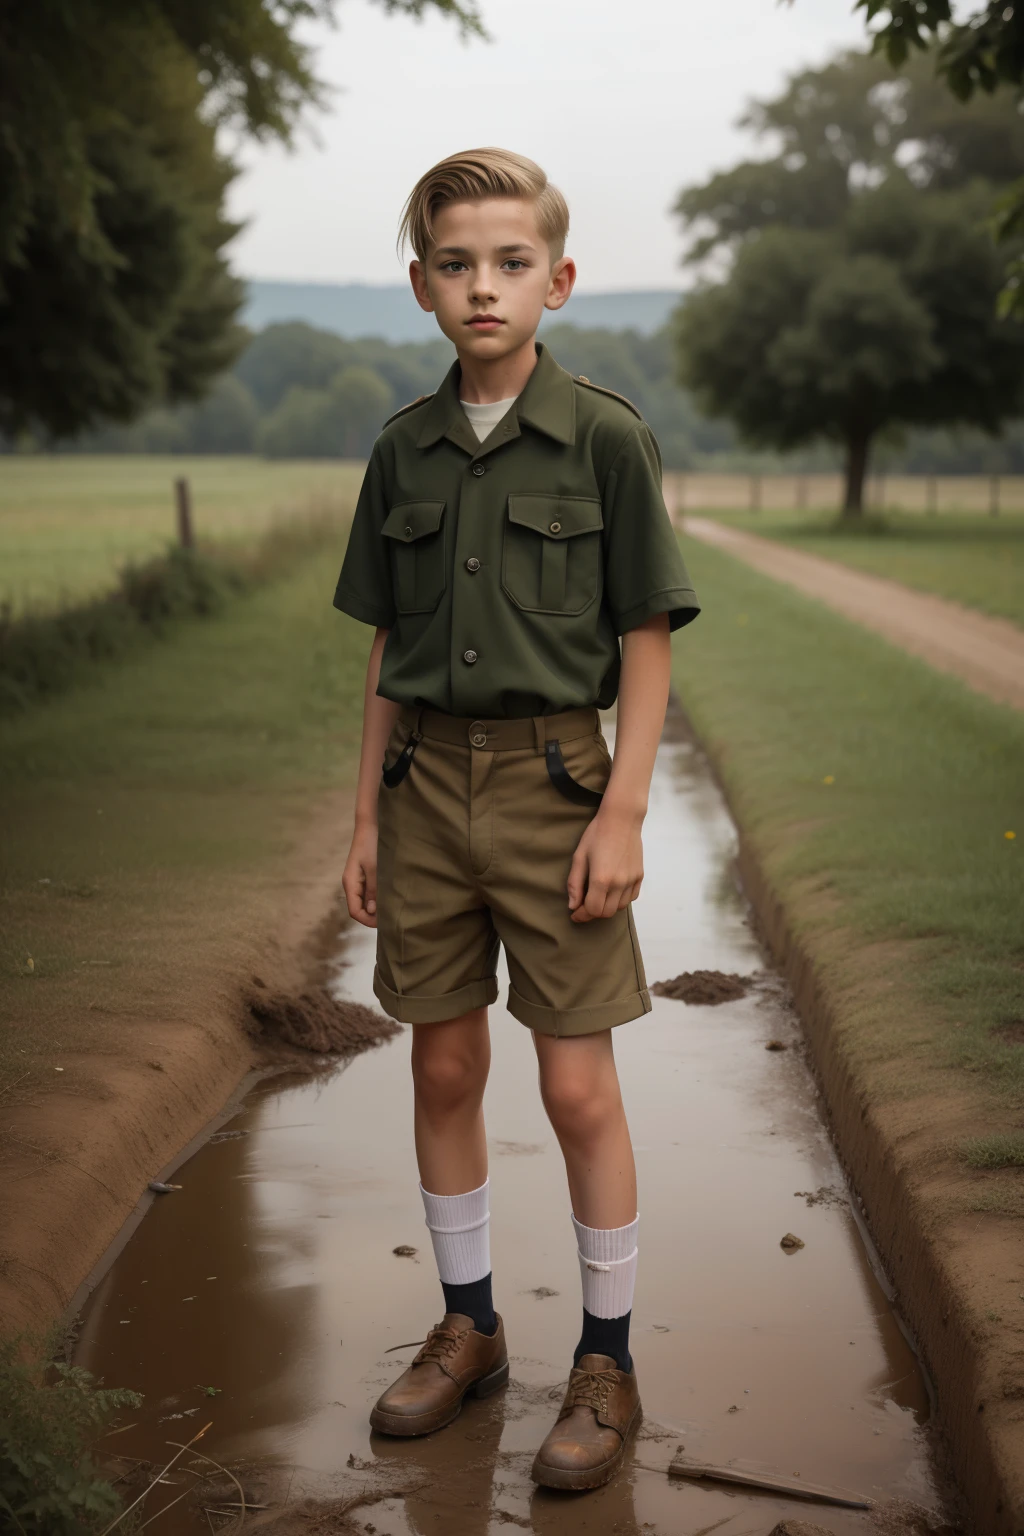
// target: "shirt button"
[[469, 657], [408, 533], [479, 469], [555, 528], [472, 564]]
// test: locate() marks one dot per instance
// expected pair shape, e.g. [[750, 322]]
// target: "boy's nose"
[[484, 286]]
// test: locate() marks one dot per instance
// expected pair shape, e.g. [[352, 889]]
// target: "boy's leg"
[[450, 1062], [466, 1353], [580, 1089]]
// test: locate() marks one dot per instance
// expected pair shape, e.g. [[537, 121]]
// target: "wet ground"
[[263, 1297]]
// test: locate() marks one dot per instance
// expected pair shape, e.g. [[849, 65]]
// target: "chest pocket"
[[551, 561], [415, 530]]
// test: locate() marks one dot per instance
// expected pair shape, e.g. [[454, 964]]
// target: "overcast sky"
[[622, 101]]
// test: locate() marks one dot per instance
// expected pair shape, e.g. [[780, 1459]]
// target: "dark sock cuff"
[[605, 1336], [473, 1300]]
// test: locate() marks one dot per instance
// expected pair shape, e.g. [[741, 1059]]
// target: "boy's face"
[[489, 276]]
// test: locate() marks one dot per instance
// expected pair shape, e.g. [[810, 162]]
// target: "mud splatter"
[[827, 1194], [315, 1021], [704, 988]]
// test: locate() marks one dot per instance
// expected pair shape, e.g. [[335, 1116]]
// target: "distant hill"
[[355, 310]]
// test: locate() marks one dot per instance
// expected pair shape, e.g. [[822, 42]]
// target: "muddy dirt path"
[[986, 653], [265, 1294]]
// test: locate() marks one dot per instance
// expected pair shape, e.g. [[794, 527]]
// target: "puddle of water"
[[271, 1276]]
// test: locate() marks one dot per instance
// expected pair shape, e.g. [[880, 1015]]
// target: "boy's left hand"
[[608, 866]]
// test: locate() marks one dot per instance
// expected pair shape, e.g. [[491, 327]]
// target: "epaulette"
[[407, 408], [580, 378]]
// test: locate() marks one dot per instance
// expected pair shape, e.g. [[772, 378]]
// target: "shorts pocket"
[[551, 562], [416, 531]]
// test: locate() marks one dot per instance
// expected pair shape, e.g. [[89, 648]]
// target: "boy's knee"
[[447, 1077], [577, 1105]]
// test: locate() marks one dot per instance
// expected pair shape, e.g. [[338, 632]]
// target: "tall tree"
[[114, 289], [863, 286]]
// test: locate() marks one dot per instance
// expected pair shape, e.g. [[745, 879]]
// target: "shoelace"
[[590, 1389], [439, 1344]]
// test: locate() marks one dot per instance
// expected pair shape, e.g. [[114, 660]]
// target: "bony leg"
[[464, 1355], [601, 1409]]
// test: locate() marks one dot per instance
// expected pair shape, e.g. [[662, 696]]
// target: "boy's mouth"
[[484, 323]]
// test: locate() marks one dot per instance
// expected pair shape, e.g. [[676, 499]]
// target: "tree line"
[[858, 282], [299, 392]]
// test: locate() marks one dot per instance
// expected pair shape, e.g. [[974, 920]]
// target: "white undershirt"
[[484, 418]]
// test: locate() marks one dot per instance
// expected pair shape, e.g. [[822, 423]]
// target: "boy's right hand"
[[359, 881]]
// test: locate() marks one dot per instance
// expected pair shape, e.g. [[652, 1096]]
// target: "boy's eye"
[[514, 264], [454, 266]]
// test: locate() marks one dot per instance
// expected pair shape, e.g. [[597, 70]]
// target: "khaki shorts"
[[475, 845]]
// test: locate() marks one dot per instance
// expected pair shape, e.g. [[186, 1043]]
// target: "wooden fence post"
[[183, 502], [755, 493], [931, 495], [993, 496], [801, 492]]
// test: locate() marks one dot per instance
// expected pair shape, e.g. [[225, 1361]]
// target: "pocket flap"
[[557, 517], [412, 519]]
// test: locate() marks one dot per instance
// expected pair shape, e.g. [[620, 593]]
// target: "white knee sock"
[[460, 1230], [608, 1267]]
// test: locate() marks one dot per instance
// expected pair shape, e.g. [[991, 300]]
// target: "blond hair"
[[469, 177]]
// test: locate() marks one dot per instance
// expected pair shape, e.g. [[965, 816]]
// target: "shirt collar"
[[548, 403]]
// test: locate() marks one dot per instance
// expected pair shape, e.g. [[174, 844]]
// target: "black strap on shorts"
[[394, 775], [563, 780]]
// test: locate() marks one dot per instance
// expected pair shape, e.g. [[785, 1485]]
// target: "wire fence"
[[931, 495]]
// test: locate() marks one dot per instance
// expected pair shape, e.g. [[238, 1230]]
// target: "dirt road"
[[276, 1293], [986, 653]]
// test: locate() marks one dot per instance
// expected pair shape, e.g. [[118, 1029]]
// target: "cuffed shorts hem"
[[577, 1021], [435, 1010]]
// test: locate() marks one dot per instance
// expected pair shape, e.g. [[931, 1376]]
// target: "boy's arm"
[[379, 715], [608, 866]]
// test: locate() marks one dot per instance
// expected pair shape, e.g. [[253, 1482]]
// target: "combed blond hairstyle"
[[469, 177]]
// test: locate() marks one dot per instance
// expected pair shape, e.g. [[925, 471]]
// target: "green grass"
[[69, 522], [977, 561], [878, 795], [167, 784], [1004, 1150]]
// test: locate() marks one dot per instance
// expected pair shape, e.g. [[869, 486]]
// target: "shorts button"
[[479, 469], [478, 734], [469, 657], [472, 564], [555, 528]]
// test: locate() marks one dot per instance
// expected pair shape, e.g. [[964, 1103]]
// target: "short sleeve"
[[365, 587], [644, 570]]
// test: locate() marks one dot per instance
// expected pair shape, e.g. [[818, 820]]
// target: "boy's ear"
[[418, 278], [563, 279]]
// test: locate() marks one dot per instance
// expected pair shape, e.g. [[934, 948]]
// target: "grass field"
[[68, 522], [164, 785], [972, 560], [879, 796]]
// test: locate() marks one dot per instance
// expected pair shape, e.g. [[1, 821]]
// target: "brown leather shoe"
[[586, 1446], [454, 1362]]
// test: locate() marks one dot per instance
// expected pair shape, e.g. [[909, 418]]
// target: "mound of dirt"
[[704, 987], [315, 1021]]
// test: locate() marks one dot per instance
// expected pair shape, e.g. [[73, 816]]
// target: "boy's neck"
[[484, 381]]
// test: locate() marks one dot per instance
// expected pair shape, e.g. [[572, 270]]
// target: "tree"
[[339, 422], [859, 298], [980, 52], [114, 291]]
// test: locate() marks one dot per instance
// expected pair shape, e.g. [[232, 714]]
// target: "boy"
[[510, 528]]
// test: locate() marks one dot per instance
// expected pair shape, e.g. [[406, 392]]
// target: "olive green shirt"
[[506, 570]]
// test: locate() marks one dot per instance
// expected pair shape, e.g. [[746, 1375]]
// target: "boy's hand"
[[359, 881], [608, 866]]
